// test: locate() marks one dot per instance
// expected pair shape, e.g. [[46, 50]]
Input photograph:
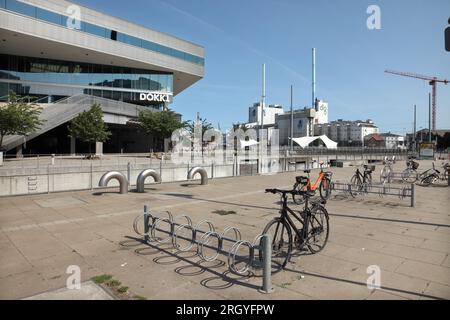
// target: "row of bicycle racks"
[[244, 258]]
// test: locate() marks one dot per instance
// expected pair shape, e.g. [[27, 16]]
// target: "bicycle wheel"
[[384, 175], [318, 229], [409, 175], [356, 185], [325, 189], [369, 178], [281, 234], [427, 181]]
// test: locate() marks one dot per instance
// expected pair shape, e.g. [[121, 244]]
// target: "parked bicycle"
[[323, 183], [387, 173], [312, 233], [410, 174], [432, 175], [361, 181]]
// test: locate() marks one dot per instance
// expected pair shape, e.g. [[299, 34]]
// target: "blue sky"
[[239, 36]]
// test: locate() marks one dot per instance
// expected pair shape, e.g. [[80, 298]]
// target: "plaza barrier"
[[382, 190], [140, 183], [201, 171], [104, 180], [167, 229]]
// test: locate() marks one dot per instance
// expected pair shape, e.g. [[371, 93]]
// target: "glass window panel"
[[120, 37], [133, 41], [163, 81], [107, 94], [3, 90], [95, 30], [48, 16], [21, 8], [126, 96], [3, 4], [117, 95], [148, 45]]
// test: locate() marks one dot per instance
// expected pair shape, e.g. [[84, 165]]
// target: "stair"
[[65, 110]]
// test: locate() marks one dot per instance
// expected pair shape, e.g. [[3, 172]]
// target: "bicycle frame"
[[309, 186], [285, 210]]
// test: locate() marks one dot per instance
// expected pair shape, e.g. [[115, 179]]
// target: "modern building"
[[347, 133], [303, 124], [270, 112], [275, 117], [68, 57]]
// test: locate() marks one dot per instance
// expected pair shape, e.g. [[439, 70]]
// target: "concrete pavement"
[[41, 235]]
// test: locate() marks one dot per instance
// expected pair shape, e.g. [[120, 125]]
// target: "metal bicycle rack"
[[200, 240], [104, 180], [202, 172], [381, 190], [140, 183]]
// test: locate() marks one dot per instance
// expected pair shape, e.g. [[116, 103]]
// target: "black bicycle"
[[363, 180], [312, 234]]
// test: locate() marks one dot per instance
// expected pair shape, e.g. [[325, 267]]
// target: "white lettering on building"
[[154, 97]]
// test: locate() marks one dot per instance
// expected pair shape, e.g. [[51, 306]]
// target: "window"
[[2, 3], [49, 16], [114, 35], [95, 30], [21, 8]]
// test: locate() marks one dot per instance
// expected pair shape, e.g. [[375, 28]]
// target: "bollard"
[[129, 172], [413, 195], [267, 265], [146, 223]]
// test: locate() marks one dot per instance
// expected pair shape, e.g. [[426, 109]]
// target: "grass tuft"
[[101, 279], [122, 290]]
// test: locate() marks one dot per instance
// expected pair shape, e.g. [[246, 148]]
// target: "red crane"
[[432, 81]]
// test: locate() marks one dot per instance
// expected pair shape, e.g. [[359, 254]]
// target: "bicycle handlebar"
[[284, 192]]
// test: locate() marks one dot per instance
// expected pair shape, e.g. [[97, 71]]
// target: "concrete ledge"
[[89, 291]]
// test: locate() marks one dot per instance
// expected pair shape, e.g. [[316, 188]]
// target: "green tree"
[[89, 126], [205, 124], [160, 124], [18, 117]]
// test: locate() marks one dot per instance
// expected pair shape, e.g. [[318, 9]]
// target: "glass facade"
[[45, 77], [61, 20]]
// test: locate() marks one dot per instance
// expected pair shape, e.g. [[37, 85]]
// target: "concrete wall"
[[58, 179]]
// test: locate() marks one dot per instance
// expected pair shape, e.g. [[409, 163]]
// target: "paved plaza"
[[41, 235]]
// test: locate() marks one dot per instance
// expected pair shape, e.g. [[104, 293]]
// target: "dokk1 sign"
[[155, 97]]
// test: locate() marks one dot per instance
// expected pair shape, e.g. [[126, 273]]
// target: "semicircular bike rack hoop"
[[244, 257], [201, 171], [123, 181]]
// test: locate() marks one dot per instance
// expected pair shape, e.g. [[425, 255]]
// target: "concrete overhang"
[[24, 36]]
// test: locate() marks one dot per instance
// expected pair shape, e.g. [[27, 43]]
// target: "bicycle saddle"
[[301, 180], [307, 171]]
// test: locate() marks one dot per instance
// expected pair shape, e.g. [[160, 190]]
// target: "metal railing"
[[382, 190]]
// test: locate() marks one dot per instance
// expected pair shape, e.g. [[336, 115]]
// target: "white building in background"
[[393, 141], [270, 112], [347, 133], [275, 117], [321, 116], [303, 124]]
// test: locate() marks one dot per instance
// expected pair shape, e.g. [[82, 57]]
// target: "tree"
[[89, 126], [160, 124], [18, 117], [200, 122]]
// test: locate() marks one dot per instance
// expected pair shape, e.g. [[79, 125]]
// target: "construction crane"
[[433, 81]]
